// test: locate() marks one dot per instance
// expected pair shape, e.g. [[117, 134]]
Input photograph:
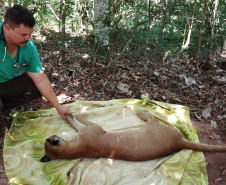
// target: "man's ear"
[[7, 27]]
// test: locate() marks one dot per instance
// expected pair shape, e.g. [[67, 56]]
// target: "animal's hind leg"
[[142, 115], [147, 117], [84, 121]]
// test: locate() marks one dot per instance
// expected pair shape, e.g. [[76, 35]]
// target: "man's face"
[[19, 35]]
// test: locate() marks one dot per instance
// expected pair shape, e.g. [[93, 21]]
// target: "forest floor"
[[81, 76]]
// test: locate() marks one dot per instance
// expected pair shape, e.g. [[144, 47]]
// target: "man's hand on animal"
[[151, 141], [42, 83], [63, 111]]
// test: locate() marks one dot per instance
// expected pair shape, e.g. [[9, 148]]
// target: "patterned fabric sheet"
[[24, 147]]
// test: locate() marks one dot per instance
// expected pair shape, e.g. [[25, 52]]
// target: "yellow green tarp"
[[24, 147]]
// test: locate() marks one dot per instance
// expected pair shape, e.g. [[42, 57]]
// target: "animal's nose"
[[45, 158]]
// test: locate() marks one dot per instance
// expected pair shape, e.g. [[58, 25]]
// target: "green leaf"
[[103, 57]]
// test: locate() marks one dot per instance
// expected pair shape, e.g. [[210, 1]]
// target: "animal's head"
[[52, 148], [54, 140]]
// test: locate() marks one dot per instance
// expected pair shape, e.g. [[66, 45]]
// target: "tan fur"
[[148, 142]]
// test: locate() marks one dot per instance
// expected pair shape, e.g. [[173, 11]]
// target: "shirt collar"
[[2, 37]]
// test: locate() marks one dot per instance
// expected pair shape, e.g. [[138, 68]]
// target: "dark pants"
[[18, 91]]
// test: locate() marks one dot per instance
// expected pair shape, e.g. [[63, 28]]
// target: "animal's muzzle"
[[45, 159]]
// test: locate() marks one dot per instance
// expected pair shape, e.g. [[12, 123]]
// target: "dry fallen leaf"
[[156, 73], [123, 87], [206, 111], [212, 137], [213, 124], [215, 136], [218, 180], [224, 172], [189, 81]]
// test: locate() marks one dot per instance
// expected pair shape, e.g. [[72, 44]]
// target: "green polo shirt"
[[27, 55]]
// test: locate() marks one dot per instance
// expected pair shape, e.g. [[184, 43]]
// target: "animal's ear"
[[54, 141], [45, 158]]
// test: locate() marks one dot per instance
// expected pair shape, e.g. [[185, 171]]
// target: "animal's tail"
[[203, 147]]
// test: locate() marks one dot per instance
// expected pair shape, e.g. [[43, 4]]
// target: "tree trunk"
[[102, 26], [212, 22], [224, 46], [201, 29], [63, 19], [149, 14], [164, 9], [11, 3], [185, 46]]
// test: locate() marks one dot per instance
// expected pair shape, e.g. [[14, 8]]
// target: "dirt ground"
[[80, 76], [215, 162]]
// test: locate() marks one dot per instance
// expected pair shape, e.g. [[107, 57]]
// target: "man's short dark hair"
[[17, 15]]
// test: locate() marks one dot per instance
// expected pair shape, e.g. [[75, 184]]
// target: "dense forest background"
[[173, 51], [154, 28]]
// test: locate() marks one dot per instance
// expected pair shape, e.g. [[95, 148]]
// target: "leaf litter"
[[82, 76]]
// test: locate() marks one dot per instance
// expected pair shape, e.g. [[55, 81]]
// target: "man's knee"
[[18, 91]]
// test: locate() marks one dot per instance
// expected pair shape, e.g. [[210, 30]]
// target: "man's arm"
[[44, 86]]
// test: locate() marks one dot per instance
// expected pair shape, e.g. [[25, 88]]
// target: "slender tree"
[[224, 46], [11, 3], [149, 14], [191, 22], [212, 23], [63, 19], [164, 11], [102, 25], [201, 28]]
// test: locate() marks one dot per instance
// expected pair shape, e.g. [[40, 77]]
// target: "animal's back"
[[133, 144]]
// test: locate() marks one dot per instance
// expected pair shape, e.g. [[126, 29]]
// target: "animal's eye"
[[54, 142]]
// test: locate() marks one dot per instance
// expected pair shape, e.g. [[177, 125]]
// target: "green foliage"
[[155, 26], [168, 24]]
